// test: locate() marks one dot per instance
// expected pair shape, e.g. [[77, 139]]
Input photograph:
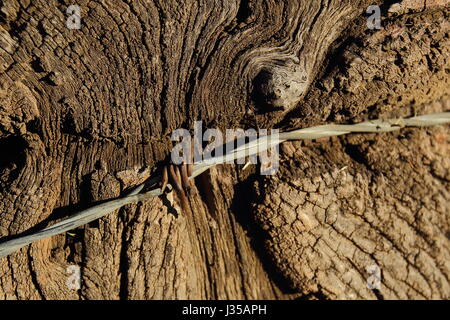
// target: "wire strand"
[[252, 148]]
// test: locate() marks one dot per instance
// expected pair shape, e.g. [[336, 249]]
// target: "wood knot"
[[280, 86]]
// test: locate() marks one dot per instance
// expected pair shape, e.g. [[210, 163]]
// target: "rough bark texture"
[[85, 114]]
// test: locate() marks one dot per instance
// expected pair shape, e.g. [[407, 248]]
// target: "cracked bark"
[[86, 113]]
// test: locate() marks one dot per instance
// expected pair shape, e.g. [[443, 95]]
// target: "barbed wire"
[[252, 148]]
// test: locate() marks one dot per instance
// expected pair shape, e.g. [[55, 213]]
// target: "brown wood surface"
[[85, 114]]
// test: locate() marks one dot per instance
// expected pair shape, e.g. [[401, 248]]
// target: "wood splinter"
[[178, 177]]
